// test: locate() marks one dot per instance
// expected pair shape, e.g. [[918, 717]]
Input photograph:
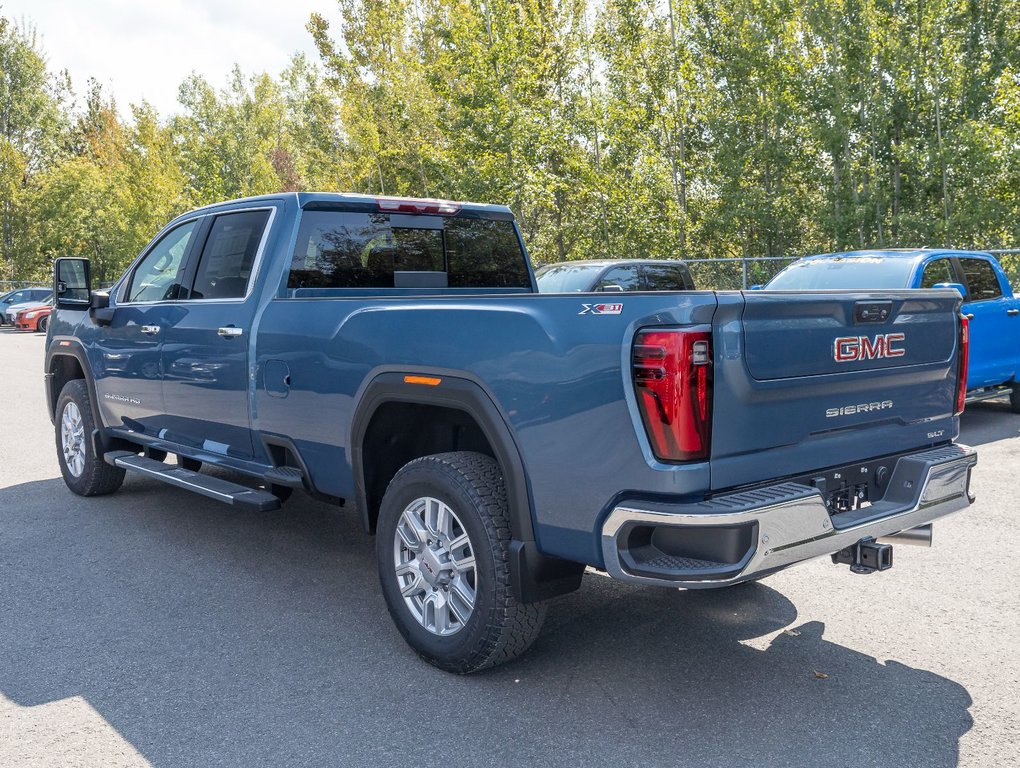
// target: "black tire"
[[1014, 398], [42, 324], [499, 628], [96, 477]]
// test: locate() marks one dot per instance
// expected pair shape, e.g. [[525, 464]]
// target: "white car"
[[13, 310]]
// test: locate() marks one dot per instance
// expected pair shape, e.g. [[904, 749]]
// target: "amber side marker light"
[[430, 381]]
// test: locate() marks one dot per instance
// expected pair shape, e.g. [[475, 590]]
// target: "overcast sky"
[[144, 48]]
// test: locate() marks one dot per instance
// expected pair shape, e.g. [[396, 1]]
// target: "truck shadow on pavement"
[[207, 636]]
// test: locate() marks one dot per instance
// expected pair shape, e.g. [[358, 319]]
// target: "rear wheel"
[[443, 544], [1014, 398], [84, 473]]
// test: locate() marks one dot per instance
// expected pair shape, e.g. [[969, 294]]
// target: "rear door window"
[[337, 249], [228, 257], [980, 279]]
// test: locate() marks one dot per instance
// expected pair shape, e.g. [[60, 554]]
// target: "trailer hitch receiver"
[[866, 556]]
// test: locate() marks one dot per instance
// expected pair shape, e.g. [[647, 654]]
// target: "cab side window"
[[938, 271], [158, 276], [626, 278], [982, 283], [667, 277], [229, 255]]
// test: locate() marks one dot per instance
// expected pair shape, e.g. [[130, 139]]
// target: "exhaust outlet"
[[918, 537]]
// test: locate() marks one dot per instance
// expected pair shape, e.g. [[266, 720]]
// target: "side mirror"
[[958, 287], [757, 287], [72, 284], [611, 289]]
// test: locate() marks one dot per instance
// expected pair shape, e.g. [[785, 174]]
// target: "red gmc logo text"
[[849, 348]]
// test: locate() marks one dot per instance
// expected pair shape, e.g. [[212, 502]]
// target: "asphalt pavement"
[[155, 627]]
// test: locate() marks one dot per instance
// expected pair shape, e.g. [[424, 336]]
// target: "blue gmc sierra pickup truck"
[[396, 354]]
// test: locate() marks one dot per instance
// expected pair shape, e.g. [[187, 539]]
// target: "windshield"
[[567, 278], [850, 272]]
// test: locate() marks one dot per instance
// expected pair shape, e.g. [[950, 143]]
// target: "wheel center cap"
[[431, 569]]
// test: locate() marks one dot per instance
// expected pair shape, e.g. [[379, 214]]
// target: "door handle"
[[230, 331], [970, 316], [150, 330], [1013, 311]]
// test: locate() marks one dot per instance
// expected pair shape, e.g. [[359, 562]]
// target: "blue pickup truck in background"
[[395, 354], [988, 301]]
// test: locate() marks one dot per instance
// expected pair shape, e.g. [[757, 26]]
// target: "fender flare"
[[460, 391], [69, 346], [535, 576]]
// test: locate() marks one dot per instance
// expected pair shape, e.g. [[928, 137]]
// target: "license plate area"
[[852, 487]]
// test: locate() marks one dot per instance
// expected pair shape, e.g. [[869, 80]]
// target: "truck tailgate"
[[811, 380]]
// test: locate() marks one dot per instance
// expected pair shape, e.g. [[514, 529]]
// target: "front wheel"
[[40, 327], [443, 546], [85, 473], [1014, 398]]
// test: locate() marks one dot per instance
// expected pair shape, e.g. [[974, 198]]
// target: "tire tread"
[[512, 626], [98, 478]]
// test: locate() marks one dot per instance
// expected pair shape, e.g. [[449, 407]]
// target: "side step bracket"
[[211, 487]]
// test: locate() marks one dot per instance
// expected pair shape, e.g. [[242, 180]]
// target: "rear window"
[[844, 272], [338, 249], [567, 278]]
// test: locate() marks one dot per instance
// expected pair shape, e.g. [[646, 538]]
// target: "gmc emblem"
[[849, 348]]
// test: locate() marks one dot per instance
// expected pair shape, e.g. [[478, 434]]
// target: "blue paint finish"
[[560, 379]]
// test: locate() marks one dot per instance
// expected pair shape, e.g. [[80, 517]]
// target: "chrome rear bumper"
[[753, 533]]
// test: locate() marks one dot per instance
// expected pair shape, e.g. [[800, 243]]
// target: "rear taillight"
[[673, 382], [961, 383]]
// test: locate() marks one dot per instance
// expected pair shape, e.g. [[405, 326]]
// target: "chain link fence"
[[13, 285], [736, 273], [732, 274]]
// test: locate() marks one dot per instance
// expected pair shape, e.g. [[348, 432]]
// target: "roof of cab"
[[304, 199]]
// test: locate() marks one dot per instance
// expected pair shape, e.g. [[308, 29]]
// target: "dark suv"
[[614, 275]]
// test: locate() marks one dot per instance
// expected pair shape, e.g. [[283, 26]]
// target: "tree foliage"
[[662, 128]]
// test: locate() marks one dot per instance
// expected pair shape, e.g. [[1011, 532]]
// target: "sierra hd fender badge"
[[846, 349], [601, 309]]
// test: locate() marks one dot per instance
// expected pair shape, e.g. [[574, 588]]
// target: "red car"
[[33, 318]]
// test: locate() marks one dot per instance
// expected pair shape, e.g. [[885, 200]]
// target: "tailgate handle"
[[872, 311]]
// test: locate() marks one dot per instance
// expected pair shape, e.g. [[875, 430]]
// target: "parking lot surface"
[[155, 627]]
